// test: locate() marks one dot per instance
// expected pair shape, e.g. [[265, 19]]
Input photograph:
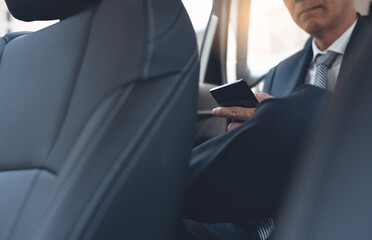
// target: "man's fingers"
[[233, 125], [262, 96], [236, 113], [239, 113]]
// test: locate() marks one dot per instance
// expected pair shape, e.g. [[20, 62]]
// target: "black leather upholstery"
[[97, 118]]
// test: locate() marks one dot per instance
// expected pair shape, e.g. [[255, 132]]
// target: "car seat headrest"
[[31, 10]]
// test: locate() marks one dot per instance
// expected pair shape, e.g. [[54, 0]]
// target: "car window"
[[9, 24], [273, 35], [199, 12]]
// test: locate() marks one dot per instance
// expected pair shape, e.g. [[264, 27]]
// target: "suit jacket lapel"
[[292, 72], [301, 69]]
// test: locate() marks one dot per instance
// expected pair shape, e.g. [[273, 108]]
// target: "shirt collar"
[[338, 46]]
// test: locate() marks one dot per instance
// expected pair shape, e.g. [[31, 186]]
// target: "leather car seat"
[[97, 117]]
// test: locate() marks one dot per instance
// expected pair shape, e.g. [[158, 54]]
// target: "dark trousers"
[[242, 175]]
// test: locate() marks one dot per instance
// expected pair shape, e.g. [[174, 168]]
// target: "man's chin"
[[314, 28]]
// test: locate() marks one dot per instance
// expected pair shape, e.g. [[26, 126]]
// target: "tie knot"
[[326, 59]]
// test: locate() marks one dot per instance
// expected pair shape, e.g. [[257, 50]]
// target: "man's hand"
[[238, 113]]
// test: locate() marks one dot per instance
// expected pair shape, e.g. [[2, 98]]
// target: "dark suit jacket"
[[291, 73], [241, 175]]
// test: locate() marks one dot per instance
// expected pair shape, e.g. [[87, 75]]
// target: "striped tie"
[[265, 228], [323, 62]]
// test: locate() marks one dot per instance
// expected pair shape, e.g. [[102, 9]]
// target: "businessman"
[[336, 32], [242, 175]]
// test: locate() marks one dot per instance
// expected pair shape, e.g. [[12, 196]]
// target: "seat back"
[[97, 117], [331, 197]]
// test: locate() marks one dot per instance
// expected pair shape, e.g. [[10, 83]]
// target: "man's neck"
[[325, 39]]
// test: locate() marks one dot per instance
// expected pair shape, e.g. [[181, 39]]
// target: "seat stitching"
[[11, 230], [31, 168], [80, 162], [73, 87], [131, 162], [7, 38], [171, 26], [151, 38]]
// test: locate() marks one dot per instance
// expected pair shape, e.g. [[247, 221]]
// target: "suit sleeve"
[[242, 175]]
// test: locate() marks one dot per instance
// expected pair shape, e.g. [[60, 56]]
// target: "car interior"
[[99, 113]]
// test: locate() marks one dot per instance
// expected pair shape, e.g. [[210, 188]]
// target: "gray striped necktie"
[[265, 228], [323, 62]]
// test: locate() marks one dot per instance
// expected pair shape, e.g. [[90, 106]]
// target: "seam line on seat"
[[31, 168], [72, 90], [151, 37], [171, 26], [80, 162], [20, 210], [131, 162], [7, 38]]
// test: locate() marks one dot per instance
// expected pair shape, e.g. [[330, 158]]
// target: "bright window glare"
[[199, 11], [10, 24], [271, 4], [31, 26], [273, 35]]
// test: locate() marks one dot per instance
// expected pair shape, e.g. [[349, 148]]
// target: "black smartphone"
[[237, 94]]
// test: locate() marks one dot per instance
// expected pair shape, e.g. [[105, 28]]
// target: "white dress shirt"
[[338, 46]]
